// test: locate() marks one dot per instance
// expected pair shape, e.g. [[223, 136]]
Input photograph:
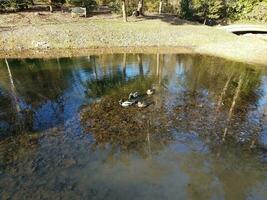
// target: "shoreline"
[[108, 34], [54, 53], [66, 53]]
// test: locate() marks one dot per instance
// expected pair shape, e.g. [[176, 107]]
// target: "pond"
[[63, 134]]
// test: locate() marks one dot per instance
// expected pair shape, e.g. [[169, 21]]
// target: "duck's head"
[[150, 91], [142, 104], [136, 94], [120, 101], [131, 95]]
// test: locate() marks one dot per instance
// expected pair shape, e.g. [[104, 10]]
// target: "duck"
[[126, 103], [150, 91], [133, 95], [142, 104]]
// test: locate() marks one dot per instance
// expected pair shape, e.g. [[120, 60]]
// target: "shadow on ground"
[[168, 18]]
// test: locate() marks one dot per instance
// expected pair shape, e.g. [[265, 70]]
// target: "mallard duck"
[[142, 104], [150, 91], [133, 95], [127, 103]]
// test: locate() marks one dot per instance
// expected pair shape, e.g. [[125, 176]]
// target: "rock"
[[78, 12], [41, 44]]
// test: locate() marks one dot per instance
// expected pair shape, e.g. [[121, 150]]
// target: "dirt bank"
[[44, 34]]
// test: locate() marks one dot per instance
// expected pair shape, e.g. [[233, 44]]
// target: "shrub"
[[169, 8], [202, 10], [258, 13], [238, 9], [88, 4], [14, 4], [206, 10], [131, 6], [115, 6], [186, 10], [152, 6]]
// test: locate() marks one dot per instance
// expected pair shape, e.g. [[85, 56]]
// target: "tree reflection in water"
[[198, 96], [76, 141]]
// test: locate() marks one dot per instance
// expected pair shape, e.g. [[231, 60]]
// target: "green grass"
[[106, 33]]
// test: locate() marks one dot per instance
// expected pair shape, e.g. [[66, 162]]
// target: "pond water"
[[63, 134]]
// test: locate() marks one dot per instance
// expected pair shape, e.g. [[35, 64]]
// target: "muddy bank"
[[52, 53], [39, 37]]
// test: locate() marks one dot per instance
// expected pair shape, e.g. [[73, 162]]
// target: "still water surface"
[[63, 134]]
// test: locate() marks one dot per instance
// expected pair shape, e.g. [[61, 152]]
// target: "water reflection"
[[64, 135]]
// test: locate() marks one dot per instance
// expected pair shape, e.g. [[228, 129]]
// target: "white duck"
[[126, 103], [142, 104], [150, 91]]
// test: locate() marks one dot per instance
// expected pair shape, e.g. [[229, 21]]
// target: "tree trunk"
[[219, 104], [160, 7], [95, 70], [13, 89], [237, 92], [123, 7], [140, 63], [140, 7], [124, 65], [205, 21], [158, 64], [51, 5], [236, 96]]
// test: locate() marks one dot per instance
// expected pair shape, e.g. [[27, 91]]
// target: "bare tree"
[[160, 6], [13, 89], [51, 2], [140, 7], [140, 64], [219, 104], [124, 65], [124, 12], [158, 67], [237, 92]]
